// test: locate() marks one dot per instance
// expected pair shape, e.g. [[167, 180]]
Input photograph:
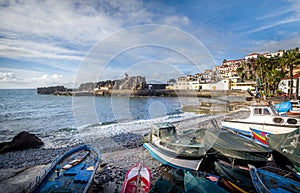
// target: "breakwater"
[[155, 92]]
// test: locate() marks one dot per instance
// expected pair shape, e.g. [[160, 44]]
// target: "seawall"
[[157, 92]]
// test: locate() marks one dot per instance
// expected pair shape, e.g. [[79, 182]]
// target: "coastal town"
[[232, 75], [139, 96]]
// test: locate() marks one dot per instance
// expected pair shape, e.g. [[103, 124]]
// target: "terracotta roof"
[[295, 76], [253, 54]]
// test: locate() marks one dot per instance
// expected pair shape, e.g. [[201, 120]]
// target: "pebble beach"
[[119, 153]]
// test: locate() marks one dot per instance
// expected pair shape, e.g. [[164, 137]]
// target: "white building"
[[220, 85], [252, 56], [279, 53], [250, 85], [284, 85]]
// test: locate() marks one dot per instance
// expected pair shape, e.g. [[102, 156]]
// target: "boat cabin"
[[164, 131], [264, 110]]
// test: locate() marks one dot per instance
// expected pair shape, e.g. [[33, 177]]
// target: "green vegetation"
[[268, 72]]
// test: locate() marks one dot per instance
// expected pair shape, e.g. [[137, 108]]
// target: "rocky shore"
[[119, 153], [19, 168]]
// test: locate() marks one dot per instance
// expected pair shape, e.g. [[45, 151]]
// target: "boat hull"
[[287, 144], [76, 178], [244, 127], [264, 118], [137, 180], [200, 184], [265, 181], [237, 147], [169, 159], [237, 174]]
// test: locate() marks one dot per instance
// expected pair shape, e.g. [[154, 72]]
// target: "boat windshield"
[[265, 111], [274, 112], [167, 132]]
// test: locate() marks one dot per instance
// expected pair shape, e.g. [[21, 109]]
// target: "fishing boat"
[[266, 181], [171, 160], [264, 118], [137, 179], [200, 184], [71, 172], [164, 145], [163, 185], [236, 147], [177, 175], [165, 137], [287, 144], [231, 187], [260, 136], [238, 177], [287, 174]]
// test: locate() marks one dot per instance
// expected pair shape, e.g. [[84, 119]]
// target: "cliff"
[[130, 83]]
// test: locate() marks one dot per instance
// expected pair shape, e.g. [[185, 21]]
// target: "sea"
[[66, 120]]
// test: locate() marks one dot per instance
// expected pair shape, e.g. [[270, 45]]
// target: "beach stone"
[[23, 140]]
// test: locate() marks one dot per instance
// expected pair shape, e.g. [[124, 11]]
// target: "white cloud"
[[272, 19], [272, 46], [176, 20], [7, 76], [292, 19], [31, 79]]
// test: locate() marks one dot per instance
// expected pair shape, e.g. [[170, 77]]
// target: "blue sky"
[[44, 43]]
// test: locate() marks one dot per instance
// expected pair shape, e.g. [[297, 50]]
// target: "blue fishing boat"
[[71, 172], [265, 181], [200, 184]]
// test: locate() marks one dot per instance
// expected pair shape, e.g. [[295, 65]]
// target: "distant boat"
[[137, 180], [71, 172], [238, 176], [288, 144], [265, 181], [264, 118], [200, 184]]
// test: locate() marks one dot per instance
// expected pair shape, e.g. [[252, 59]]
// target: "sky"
[[49, 43]]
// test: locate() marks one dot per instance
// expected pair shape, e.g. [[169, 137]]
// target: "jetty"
[[151, 92]]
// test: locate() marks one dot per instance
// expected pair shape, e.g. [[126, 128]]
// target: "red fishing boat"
[[137, 179]]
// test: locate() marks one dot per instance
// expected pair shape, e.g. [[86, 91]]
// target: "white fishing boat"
[[264, 118]]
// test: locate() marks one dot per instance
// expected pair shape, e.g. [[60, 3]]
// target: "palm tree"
[[292, 58], [260, 71]]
